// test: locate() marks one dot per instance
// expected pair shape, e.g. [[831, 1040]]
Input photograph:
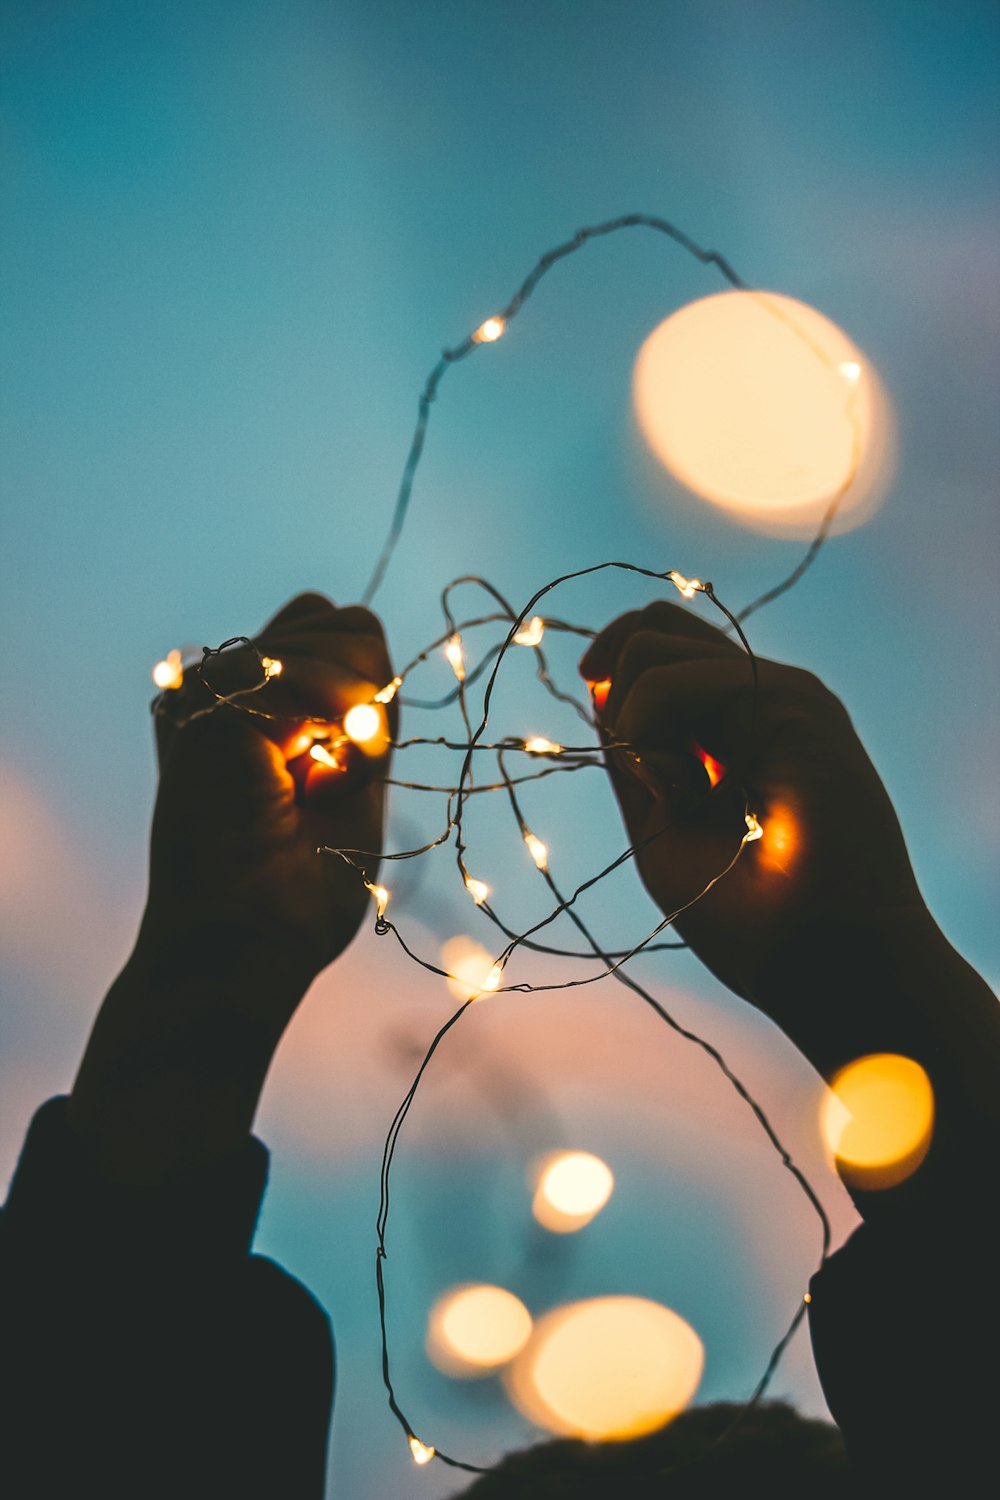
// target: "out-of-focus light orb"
[[473, 1330], [877, 1119], [763, 406], [168, 674], [609, 1368], [362, 723], [470, 967], [571, 1189]]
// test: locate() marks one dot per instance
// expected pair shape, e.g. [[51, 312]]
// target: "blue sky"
[[236, 238]]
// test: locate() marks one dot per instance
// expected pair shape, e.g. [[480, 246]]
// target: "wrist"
[[176, 1062], [843, 990]]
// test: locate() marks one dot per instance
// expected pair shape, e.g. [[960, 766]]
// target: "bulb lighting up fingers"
[[599, 693]]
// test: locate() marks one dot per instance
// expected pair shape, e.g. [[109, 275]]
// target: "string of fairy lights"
[[366, 724]]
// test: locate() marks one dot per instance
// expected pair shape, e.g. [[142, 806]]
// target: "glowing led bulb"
[[531, 633], [688, 586], [362, 723], [850, 369], [390, 690], [169, 673], [325, 756], [540, 746], [478, 889], [381, 898], [754, 830], [493, 978], [272, 667], [453, 651], [599, 692], [537, 849], [489, 332], [422, 1452]]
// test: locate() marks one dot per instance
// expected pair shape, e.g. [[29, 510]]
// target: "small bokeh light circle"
[[474, 1329], [606, 1369], [571, 1188], [763, 406], [470, 968], [877, 1119]]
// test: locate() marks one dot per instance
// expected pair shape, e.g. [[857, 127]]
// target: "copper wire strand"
[[579, 757], [612, 965]]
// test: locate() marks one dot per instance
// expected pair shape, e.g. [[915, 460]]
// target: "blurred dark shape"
[[772, 1453]]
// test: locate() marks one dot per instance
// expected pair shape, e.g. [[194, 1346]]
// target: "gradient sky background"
[[235, 238]]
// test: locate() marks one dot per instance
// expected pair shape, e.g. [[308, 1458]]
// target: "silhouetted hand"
[[242, 912], [831, 853], [242, 807]]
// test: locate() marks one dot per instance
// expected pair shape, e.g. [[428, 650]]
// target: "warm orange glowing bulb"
[[754, 828], [422, 1452], [478, 889], [850, 369], [473, 1330], [453, 651], [169, 673], [687, 586], [325, 756], [381, 898], [362, 723], [538, 851], [541, 746], [272, 667], [877, 1119], [489, 332], [531, 633], [386, 694]]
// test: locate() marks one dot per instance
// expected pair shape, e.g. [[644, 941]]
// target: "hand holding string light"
[[292, 753], [359, 856], [827, 847], [241, 915]]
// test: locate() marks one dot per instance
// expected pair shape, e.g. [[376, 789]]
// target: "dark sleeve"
[[905, 1333], [144, 1351]]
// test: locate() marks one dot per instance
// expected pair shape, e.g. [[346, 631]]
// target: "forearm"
[[842, 991], [175, 1065]]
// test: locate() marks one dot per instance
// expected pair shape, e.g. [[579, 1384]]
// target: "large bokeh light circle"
[[877, 1119], [472, 1330], [763, 406], [607, 1369]]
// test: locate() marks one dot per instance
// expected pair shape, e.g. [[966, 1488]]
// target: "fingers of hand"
[[645, 650], [661, 617], [311, 611]]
